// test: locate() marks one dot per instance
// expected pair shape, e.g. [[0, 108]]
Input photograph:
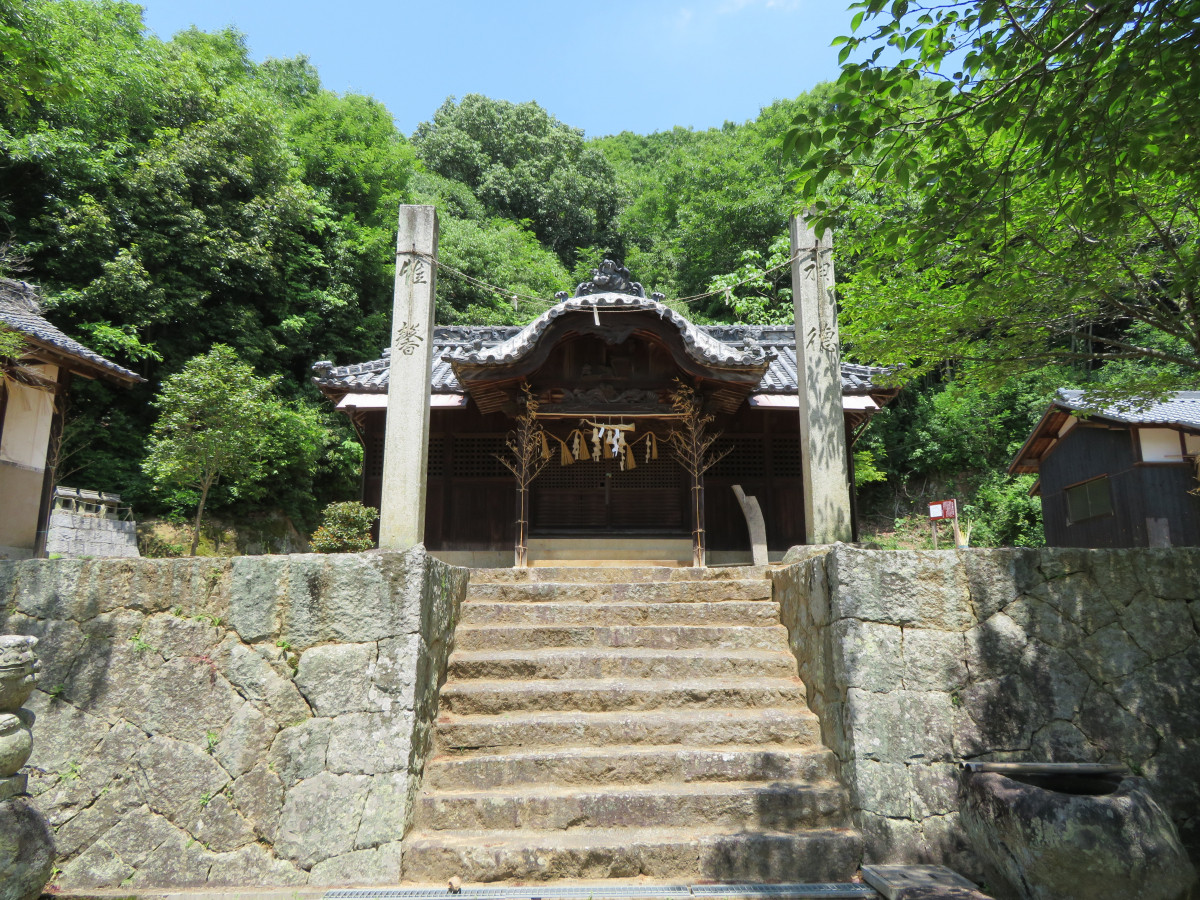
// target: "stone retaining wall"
[[916, 659], [254, 721]]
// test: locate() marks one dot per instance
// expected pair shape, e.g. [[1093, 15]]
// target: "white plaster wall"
[[27, 420]]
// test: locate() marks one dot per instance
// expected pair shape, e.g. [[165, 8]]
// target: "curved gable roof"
[[702, 347]]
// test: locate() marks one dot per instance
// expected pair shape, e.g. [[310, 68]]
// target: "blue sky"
[[603, 67]]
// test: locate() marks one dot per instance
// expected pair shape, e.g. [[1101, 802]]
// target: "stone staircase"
[[620, 723]]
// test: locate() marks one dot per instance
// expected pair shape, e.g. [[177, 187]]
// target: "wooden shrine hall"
[[608, 356]]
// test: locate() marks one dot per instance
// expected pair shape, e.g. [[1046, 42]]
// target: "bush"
[[345, 528], [1004, 515]]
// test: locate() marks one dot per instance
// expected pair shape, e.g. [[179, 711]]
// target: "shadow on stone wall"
[[915, 660], [1089, 656], [232, 722]]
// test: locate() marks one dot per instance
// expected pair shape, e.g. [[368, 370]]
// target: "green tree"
[[181, 195], [219, 421], [29, 70], [1038, 165], [489, 250], [759, 291], [697, 201], [524, 164]]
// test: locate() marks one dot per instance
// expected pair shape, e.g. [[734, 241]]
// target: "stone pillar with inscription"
[[406, 435], [819, 375]]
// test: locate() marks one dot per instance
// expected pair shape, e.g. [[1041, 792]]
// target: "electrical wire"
[[533, 300]]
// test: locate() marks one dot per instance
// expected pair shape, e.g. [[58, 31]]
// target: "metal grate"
[[789, 891], [617, 892]]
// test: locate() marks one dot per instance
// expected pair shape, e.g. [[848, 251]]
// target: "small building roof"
[[775, 343], [1180, 409], [20, 310]]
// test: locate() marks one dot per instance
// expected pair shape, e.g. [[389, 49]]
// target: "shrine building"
[[603, 365]]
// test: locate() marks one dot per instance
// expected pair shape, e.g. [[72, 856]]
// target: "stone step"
[[628, 765], [483, 698], [771, 807], [825, 855], [592, 592], [659, 637], [615, 574], [726, 612], [763, 728], [620, 663]]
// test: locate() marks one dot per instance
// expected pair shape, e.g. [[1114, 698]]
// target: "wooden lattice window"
[[374, 453], [436, 465], [475, 456], [785, 456], [747, 460]]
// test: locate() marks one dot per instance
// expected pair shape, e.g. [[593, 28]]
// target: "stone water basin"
[[1057, 831]]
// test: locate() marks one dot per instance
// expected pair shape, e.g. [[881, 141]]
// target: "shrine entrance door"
[[596, 497]]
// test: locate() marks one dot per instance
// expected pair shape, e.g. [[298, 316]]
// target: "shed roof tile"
[[20, 310]]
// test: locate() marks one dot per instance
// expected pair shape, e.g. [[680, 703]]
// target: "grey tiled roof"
[[1181, 408], [20, 311], [746, 342], [698, 343]]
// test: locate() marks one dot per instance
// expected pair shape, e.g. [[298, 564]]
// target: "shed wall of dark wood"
[[471, 501], [1139, 491]]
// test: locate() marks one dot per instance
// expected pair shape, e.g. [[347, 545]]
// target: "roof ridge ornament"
[[609, 278]]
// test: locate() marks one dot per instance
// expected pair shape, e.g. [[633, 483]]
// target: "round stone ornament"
[[16, 743], [18, 670]]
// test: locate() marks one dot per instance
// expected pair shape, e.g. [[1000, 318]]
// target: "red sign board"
[[943, 509]]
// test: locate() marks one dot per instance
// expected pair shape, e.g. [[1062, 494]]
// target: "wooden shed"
[[31, 392], [1120, 475]]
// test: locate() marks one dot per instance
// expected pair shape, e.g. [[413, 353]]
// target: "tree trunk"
[[199, 517]]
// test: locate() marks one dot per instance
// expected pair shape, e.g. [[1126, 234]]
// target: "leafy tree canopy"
[[1020, 186], [219, 421], [698, 200], [524, 164]]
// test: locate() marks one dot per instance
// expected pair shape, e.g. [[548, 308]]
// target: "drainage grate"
[[780, 891], [530, 892], [621, 892]]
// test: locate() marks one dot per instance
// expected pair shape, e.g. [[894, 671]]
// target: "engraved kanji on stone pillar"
[[406, 435], [819, 375]]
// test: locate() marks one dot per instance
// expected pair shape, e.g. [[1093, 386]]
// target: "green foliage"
[[961, 425], [697, 201], [524, 164], [219, 421], [1003, 514], [1019, 187], [499, 252], [345, 528], [866, 470], [759, 291], [180, 196], [11, 344], [29, 69]]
